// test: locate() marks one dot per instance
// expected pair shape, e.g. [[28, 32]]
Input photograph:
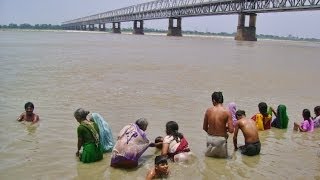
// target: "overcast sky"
[[303, 24]]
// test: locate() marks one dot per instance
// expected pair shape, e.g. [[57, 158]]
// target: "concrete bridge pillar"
[[138, 27], [91, 27], [246, 33], [83, 27], [116, 27], [174, 30], [102, 27]]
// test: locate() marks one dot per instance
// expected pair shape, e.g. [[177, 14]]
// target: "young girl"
[[307, 124]]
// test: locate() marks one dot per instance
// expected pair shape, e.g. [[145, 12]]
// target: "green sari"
[[91, 146]]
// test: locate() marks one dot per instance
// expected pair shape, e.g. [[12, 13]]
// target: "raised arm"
[[20, 118], [273, 111]]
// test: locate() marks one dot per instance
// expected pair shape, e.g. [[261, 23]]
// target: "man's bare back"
[[218, 121], [249, 130]]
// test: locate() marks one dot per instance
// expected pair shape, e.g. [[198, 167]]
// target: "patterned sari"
[[131, 144]]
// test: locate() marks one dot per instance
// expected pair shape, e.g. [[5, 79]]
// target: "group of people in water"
[[95, 135]]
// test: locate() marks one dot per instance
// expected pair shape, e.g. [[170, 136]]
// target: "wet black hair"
[[172, 129], [240, 113], [317, 110], [158, 139], [263, 108], [217, 97], [160, 159], [28, 104], [306, 114]]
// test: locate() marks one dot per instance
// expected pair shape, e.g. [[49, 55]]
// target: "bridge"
[[175, 10]]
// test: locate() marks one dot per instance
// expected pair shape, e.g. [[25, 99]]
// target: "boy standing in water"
[[28, 115], [250, 132], [160, 169]]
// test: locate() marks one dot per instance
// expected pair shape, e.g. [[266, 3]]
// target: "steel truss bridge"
[[162, 9]]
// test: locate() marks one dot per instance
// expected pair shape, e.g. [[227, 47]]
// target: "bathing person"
[[263, 118], [307, 124], [158, 142], [233, 108], [250, 132], [316, 120], [281, 120], [217, 122], [132, 142], [88, 138], [160, 169], [28, 115], [175, 146], [105, 133]]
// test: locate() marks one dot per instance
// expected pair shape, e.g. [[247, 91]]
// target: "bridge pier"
[[102, 27], [138, 27], [246, 33], [174, 30], [116, 27], [91, 27]]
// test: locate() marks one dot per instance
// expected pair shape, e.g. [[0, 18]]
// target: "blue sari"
[[106, 138]]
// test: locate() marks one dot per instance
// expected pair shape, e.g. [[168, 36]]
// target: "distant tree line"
[[29, 26], [58, 27]]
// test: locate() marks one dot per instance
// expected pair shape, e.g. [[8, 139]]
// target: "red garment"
[[183, 147]]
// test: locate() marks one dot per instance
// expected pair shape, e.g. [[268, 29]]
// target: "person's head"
[[317, 110], [263, 108], [282, 109], [217, 98], [161, 164], [158, 140], [142, 123], [240, 114], [232, 107], [80, 114], [306, 114], [172, 129], [29, 107]]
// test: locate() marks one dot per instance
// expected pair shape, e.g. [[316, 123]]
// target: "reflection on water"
[[125, 77]]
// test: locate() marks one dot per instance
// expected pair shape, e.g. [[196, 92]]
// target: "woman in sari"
[[88, 138], [105, 133], [132, 142], [175, 145], [281, 120]]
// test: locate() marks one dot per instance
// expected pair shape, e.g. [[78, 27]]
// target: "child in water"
[[158, 142], [160, 169]]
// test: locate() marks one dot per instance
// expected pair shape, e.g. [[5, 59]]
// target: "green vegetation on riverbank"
[[149, 30]]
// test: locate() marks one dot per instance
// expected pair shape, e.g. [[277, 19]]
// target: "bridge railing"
[[186, 8]]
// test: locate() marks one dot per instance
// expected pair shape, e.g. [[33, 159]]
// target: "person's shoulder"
[[167, 139]]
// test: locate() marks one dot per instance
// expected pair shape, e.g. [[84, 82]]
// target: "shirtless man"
[[250, 132], [29, 115], [217, 122]]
